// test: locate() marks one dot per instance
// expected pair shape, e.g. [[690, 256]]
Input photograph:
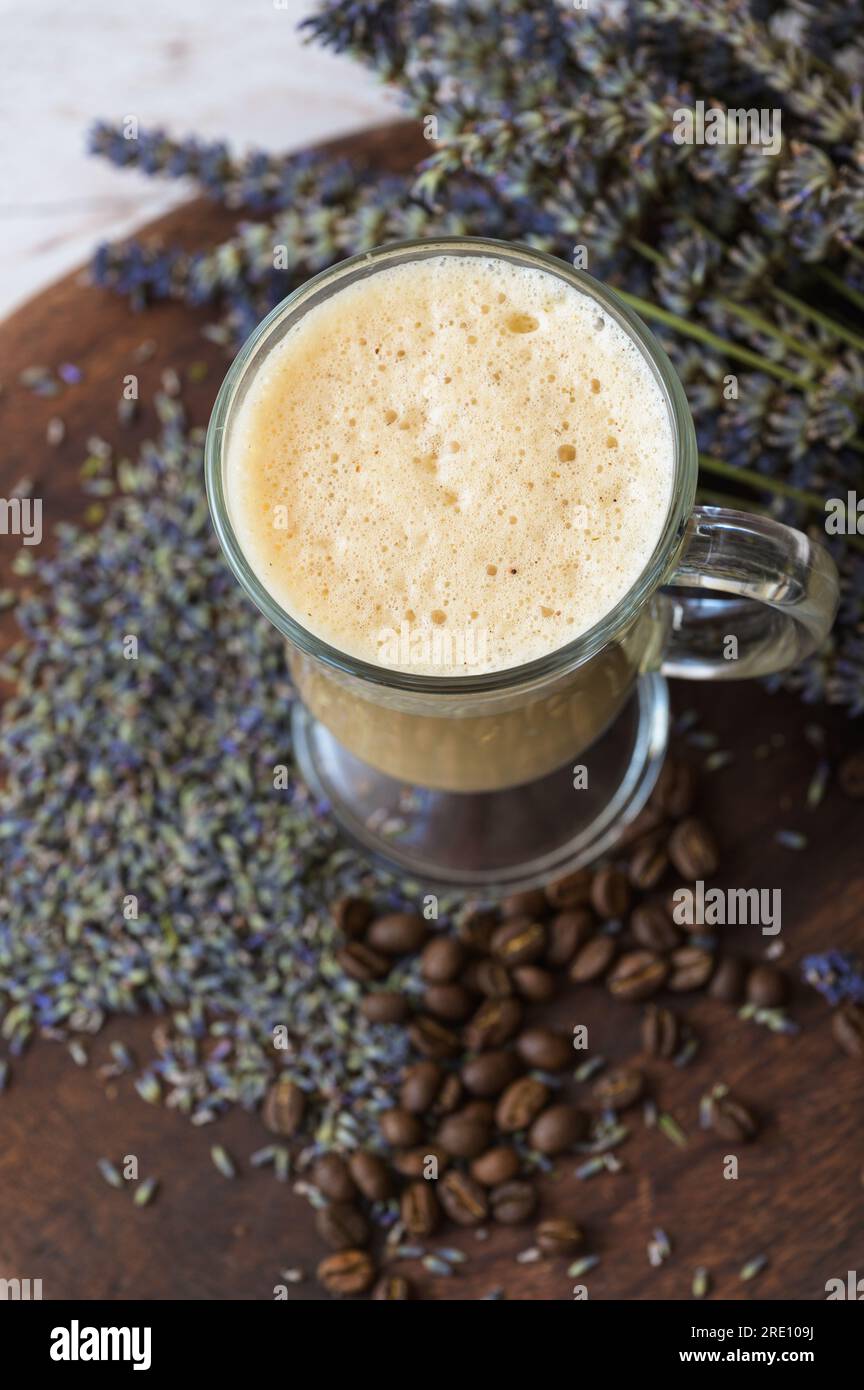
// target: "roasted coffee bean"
[[675, 789], [693, 850], [565, 934], [645, 823], [728, 980], [419, 1209], [397, 934], [513, 1202], [420, 1085], [648, 862], [483, 1111], [520, 1104], [400, 1128], [558, 1236], [545, 1049], [283, 1110], [414, 1163], [488, 977], [574, 890], [494, 1023], [690, 968], [433, 1039], [847, 1025], [352, 916], [851, 775], [351, 1271], [519, 941], [392, 1286], [610, 893], [766, 987], [530, 903], [488, 1074], [463, 1136], [661, 1033], [342, 1226], [333, 1179], [592, 960], [496, 1165], [463, 1199], [619, 1089], [383, 1006], [536, 985], [453, 1002], [732, 1120], [475, 928], [652, 927], [637, 976], [449, 1096], [557, 1129], [362, 963], [371, 1175], [442, 959]]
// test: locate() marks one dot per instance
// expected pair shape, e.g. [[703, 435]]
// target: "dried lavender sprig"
[[425, 46], [256, 268], [837, 975], [258, 179]]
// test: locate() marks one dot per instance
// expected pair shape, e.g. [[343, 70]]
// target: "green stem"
[[749, 316], [838, 284], [712, 498], [759, 480], [650, 253], [792, 301], [713, 340], [749, 475], [763, 325]]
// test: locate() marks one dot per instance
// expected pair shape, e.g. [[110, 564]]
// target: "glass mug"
[[468, 781]]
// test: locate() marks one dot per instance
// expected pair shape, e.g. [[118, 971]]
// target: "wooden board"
[[799, 1198]]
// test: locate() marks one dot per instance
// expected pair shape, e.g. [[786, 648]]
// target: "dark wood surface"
[[799, 1198]]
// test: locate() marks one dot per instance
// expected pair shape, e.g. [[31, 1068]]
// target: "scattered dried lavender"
[[109, 1172], [145, 1192], [147, 864], [753, 1268], [837, 975]]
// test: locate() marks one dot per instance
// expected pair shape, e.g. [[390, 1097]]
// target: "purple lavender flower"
[[837, 975]]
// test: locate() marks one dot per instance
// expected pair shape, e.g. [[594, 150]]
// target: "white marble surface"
[[233, 69]]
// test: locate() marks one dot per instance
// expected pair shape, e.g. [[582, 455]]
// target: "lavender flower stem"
[[810, 500], [838, 284], [713, 340], [759, 322]]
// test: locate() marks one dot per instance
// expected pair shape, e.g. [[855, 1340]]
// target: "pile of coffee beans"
[[485, 1106]]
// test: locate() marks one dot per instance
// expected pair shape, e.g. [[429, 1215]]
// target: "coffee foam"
[[454, 465]]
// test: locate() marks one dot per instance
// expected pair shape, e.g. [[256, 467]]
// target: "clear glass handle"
[[784, 590]]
